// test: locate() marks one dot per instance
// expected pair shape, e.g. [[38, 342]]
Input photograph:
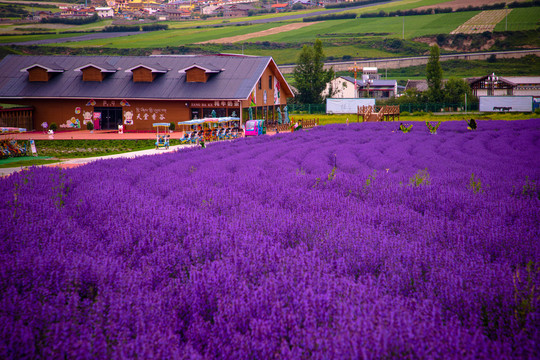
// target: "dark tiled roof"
[[236, 80]]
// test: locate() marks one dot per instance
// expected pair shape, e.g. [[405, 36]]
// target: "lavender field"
[[342, 242]]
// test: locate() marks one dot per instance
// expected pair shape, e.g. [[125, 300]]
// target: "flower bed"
[[354, 241]]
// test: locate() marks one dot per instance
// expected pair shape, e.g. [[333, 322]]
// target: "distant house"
[[417, 85], [490, 85], [280, 7], [175, 15], [137, 91], [104, 12], [484, 86], [236, 10], [344, 87], [42, 15], [210, 9], [304, 2], [76, 13]]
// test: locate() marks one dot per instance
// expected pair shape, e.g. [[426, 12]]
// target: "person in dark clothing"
[[472, 124]]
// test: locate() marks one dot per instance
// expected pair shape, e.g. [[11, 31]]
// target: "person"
[[433, 129], [201, 142], [472, 124], [404, 128]]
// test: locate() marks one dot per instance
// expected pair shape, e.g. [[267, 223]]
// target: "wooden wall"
[[270, 91], [143, 75], [21, 118], [196, 75], [72, 111], [38, 74], [92, 74]]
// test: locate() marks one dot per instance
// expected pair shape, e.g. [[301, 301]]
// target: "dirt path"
[[272, 31]]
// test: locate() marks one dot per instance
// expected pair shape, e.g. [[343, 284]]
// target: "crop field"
[[341, 242], [521, 19], [414, 26]]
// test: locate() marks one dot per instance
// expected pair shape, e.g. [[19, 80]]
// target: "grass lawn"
[[26, 161], [87, 148]]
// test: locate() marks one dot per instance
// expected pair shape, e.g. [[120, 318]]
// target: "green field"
[[177, 37], [521, 19], [348, 38]]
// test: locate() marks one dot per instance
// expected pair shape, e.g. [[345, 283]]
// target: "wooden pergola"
[[368, 113]]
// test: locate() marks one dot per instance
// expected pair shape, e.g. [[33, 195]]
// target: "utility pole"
[[355, 70], [506, 17]]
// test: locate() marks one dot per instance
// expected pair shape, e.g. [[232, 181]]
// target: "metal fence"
[[411, 108]]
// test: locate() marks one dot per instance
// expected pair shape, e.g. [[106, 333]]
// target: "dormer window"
[[42, 73], [92, 72], [143, 73], [196, 73]]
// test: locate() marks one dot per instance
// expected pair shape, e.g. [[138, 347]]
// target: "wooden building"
[[138, 91]]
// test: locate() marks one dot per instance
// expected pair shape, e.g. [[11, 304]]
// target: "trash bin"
[[120, 129]]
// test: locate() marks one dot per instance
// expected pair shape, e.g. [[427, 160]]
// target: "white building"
[[366, 87], [492, 85], [104, 12]]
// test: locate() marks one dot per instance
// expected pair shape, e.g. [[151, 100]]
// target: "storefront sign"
[[220, 103], [33, 147]]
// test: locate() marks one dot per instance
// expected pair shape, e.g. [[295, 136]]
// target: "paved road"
[[97, 36]]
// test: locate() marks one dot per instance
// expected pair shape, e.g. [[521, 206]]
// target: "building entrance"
[[111, 117]]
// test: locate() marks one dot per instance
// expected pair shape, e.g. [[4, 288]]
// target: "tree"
[[434, 75], [309, 76], [455, 90]]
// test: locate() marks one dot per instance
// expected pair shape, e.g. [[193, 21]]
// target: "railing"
[[308, 123]]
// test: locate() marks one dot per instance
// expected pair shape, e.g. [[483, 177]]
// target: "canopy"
[[191, 122], [161, 124], [209, 120]]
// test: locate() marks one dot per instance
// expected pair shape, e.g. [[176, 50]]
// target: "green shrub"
[[53, 127], [155, 27], [172, 126], [422, 177], [405, 113], [90, 126], [419, 113]]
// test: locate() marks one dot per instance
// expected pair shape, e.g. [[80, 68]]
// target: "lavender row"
[[351, 241]]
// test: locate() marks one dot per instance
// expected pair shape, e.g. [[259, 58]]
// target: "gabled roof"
[[155, 68], [51, 67], [419, 85], [211, 69], [500, 79], [235, 82], [103, 67]]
